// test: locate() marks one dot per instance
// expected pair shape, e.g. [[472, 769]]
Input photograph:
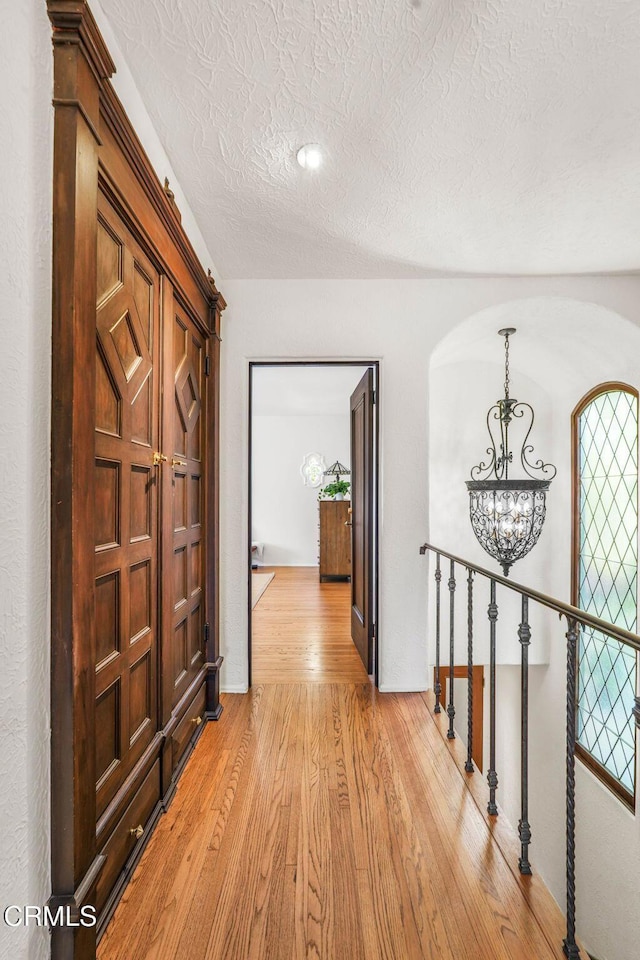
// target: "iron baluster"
[[492, 776], [438, 686], [469, 762], [451, 710], [524, 828], [569, 946]]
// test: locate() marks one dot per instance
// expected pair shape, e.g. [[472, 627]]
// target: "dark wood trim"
[[79, 895], [462, 673], [116, 121], [606, 387], [76, 105], [375, 364], [609, 386], [250, 522], [376, 505], [165, 680], [73, 25]]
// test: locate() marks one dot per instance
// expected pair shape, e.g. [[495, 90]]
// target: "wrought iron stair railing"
[[575, 619]]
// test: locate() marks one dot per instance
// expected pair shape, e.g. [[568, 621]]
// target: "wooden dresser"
[[335, 540]]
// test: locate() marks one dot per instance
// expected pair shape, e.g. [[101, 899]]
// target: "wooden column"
[[81, 63], [214, 660]]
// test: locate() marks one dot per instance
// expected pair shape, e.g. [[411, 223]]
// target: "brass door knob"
[[137, 831], [196, 720], [158, 458], [177, 462]]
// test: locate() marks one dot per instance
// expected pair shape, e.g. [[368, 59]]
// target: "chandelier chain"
[[506, 367]]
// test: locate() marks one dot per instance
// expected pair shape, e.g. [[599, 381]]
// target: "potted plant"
[[335, 490]]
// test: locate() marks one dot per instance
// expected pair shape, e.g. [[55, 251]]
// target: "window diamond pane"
[[608, 579]]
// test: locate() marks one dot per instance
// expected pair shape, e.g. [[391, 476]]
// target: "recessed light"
[[310, 156]]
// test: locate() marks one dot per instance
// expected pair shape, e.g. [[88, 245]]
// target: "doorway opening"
[[312, 552]]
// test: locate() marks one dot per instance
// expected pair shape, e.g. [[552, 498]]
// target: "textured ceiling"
[[462, 136]]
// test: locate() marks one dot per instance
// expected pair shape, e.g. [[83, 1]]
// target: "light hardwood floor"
[[301, 630], [328, 821]]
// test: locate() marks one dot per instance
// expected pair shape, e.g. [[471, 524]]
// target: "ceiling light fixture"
[[507, 515], [310, 156]]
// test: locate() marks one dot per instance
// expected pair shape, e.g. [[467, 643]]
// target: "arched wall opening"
[[562, 349]]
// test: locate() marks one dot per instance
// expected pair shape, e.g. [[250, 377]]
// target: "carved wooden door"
[[126, 490], [184, 443]]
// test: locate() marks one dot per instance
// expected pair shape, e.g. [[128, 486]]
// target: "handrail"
[[564, 609]]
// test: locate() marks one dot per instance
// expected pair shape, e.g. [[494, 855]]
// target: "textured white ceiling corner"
[[462, 136]]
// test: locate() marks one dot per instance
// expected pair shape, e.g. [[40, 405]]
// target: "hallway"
[[329, 821]]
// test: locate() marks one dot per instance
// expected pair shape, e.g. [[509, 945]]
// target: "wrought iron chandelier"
[[507, 515]]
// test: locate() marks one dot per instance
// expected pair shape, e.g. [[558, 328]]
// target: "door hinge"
[[206, 632], [207, 366]]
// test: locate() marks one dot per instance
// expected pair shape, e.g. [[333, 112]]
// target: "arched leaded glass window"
[[605, 426]]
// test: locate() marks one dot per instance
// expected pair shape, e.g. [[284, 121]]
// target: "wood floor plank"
[[301, 631]]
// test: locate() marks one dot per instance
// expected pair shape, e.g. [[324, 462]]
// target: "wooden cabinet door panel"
[[126, 492], [183, 428]]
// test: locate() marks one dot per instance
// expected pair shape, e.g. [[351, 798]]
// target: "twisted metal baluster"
[[469, 762], [438, 686], [492, 776], [569, 945], [524, 828], [451, 710]]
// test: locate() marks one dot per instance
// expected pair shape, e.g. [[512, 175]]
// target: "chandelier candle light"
[[507, 515]]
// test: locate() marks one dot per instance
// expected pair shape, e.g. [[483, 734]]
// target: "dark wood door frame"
[[362, 405], [375, 365]]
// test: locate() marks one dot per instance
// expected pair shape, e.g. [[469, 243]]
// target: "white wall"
[[561, 350], [26, 124], [284, 510]]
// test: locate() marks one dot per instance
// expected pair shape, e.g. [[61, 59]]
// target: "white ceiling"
[[304, 391], [462, 136]]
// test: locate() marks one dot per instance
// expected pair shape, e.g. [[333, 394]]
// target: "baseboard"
[[385, 688], [234, 688], [270, 566]]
